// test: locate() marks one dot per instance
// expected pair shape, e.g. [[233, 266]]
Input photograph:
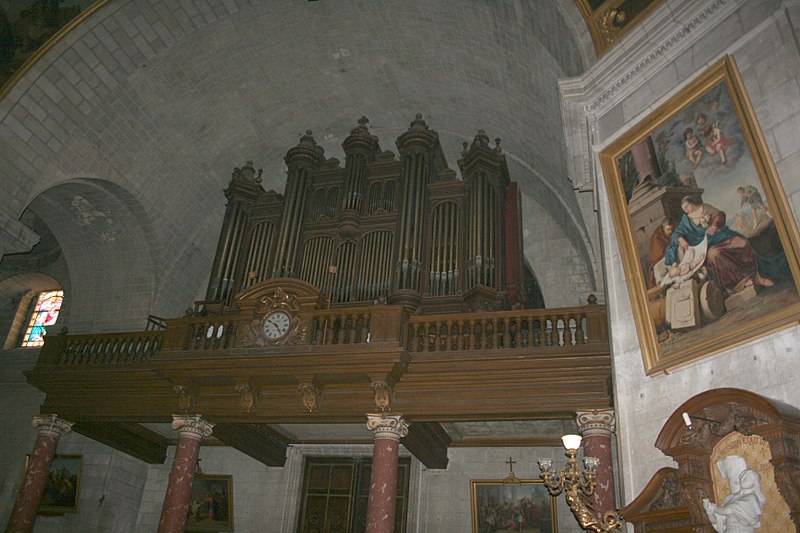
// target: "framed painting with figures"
[[211, 505], [707, 239], [498, 506]]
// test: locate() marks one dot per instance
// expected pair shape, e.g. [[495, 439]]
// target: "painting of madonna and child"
[[706, 224]]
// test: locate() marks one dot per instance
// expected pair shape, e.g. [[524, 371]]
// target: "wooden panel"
[[133, 439], [259, 441]]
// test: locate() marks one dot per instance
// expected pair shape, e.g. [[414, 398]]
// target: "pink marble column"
[[596, 428], [388, 429], [179, 490], [50, 429]]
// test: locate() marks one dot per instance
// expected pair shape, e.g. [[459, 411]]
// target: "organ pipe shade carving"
[[402, 230]]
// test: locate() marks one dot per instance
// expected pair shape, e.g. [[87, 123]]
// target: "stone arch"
[[106, 241]]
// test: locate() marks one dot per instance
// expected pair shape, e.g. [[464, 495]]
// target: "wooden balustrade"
[[527, 328], [387, 324], [102, 348]]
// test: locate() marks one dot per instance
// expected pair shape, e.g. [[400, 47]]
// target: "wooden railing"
[[528, 328], [101, 348], [564, 328]]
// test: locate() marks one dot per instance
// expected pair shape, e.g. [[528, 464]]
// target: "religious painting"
[[609, 20], [63, 486], [707, 239], [525, 506], [211, 505]]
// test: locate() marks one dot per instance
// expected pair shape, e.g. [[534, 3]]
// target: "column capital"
[[51, 425], [597, 422], [192, 426], [385, 426]]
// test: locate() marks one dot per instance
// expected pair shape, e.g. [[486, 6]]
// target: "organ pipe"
[[406, 230]]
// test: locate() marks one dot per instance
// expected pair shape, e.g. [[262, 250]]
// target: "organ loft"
[[386, 288]]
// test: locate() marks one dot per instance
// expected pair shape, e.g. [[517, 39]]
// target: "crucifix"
[[511, 479]]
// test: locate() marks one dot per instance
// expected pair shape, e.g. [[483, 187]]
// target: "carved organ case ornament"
[[691, 436], [401, 230], [275, 319]]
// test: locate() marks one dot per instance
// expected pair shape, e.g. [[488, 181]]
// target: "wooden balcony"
[[534, 362], [336, 366]]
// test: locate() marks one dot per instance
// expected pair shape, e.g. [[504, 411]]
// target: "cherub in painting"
[[716, 143], [694, 148]]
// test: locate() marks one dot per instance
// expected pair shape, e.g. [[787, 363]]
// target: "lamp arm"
[[578, 504]]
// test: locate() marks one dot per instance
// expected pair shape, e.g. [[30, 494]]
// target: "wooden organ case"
[[380, 229]]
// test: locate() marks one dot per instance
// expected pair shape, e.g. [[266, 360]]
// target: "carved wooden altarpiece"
[[715, 414]]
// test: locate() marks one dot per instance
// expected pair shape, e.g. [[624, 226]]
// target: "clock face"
[[276, 324]]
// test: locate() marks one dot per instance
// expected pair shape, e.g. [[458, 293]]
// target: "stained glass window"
[[48, 304]]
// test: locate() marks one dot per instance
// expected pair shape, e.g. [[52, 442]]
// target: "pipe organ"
[[401, 230]]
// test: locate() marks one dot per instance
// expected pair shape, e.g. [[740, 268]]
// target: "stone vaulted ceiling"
[[125, 132]]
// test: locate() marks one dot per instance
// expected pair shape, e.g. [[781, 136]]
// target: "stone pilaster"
[[192, 429], [388, 430], [596, 427], [50, 428]]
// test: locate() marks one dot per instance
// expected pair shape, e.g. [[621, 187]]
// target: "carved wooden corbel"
[[312, 394], [384, 392], [248, 397], [186, 399]]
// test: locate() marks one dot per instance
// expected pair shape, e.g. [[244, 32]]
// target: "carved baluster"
[[430, 344], [536, 327], [580, 338], [558, 339], [331, 328], [510, 333], [421, 338], [455, 334], [342, 332], [444, 335], [463, 335]]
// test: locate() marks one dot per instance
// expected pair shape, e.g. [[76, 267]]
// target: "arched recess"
[[716, 414], [107, 243]]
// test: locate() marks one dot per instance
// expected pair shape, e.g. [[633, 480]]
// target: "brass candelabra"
[[578, 485]]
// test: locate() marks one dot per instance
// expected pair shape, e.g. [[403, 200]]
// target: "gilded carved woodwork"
[[248, 397], [714, 415], [312, 394]]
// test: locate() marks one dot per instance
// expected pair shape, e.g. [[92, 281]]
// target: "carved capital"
[[387, 426], [383, 395], [192, 426], [597, 422], [312, 393], [51, 425]]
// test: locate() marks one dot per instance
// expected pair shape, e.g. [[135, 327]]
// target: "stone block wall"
[[679, 41]]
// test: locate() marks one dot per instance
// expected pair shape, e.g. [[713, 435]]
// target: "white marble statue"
[[739, 512]]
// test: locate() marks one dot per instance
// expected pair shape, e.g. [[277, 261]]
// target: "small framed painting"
[[63, 486], [707, 239], [211, 505], [498, 506]]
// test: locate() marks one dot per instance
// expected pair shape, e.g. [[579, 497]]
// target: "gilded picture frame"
[[62, 490], [499, 506], [211, 504], [694, 183]]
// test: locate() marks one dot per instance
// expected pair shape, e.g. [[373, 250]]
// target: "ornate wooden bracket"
[[186, 399], [384, 391], [312, 394], [248, 397]]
